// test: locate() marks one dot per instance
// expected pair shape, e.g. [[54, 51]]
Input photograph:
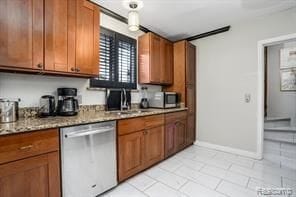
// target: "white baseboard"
[[227, 149]]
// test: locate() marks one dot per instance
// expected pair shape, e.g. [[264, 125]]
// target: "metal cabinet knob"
[[39, 65], [72, 69]]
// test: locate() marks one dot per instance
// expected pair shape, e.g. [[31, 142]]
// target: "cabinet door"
[[87, 38], [180, 134], [155, 68], [169, 139], [154, 145], [190, 132], [33, 177], [190, 63], [190, 99], [130, 154], [21, 33], [166, 65], [58, 45]]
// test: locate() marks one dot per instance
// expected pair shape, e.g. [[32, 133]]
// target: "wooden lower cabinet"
[[140, 144], [37, 176], [190, 132], [180, 134], [30, 165], [139, 150], [175, 132], [130, 154], [169, 139], [153, 146]]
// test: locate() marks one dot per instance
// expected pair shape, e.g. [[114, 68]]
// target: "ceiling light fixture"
[[133, 16]]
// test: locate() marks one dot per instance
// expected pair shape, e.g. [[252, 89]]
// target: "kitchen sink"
[[126, 112]]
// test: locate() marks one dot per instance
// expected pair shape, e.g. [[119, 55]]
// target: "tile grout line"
[[218, 185], [183, 185], [137, 189], [249, 179], [229, 167], [166, 184], [151, 185]]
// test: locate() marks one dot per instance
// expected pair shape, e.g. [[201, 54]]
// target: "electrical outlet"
[[79, 98]]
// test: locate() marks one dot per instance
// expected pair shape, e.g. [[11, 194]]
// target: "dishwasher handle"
[[89, 132]]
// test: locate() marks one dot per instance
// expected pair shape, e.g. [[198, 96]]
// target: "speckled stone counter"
[[33, 124]]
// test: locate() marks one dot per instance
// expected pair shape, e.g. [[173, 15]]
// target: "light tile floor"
[[202, 172]]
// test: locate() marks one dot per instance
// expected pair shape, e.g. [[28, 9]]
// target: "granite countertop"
[[34, 124]]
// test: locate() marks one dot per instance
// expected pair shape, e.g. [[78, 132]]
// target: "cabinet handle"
[[26, 147], [39, 65], [145, 132], [77, 70], [72, 69]]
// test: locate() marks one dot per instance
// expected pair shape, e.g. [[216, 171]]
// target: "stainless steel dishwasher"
[[88, 157]]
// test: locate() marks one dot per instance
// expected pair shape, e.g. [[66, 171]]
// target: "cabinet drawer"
[[15, 147], [130, 125], [153, 121], [172, 117]]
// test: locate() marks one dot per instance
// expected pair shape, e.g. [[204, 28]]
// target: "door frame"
[[260, 106]]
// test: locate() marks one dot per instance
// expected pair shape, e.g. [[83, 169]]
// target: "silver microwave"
[[164, 100]]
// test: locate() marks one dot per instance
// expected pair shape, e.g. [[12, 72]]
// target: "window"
[[117, 61]]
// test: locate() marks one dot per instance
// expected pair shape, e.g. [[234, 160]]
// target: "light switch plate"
[[247, 98]]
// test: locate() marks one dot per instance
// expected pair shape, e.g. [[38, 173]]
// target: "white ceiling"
[[178, 19]]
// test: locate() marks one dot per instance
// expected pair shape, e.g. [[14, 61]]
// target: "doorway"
[[277, 101]]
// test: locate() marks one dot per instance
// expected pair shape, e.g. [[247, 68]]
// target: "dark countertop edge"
[[79, 122]]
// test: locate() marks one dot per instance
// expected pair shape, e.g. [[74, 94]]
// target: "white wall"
[[31, 87], [227, 70], [279, 104]]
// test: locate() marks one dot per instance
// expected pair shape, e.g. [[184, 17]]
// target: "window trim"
[[95, 83]]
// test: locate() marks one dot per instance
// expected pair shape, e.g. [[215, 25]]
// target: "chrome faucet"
[[124, 102]]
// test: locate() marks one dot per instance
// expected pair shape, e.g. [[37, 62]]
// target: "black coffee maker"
[[67, 102]]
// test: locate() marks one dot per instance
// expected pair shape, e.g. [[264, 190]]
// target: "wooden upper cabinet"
[[166, 60], [72, 36], [190, 63], [21, 34], [58, 39], [155, 67], [87, 37], [53, 36], [155, 60]]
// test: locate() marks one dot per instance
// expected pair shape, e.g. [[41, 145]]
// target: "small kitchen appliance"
[[144, 101], [47, 106], [67, 102], [9, 110], [118, 99], [164, 100]]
